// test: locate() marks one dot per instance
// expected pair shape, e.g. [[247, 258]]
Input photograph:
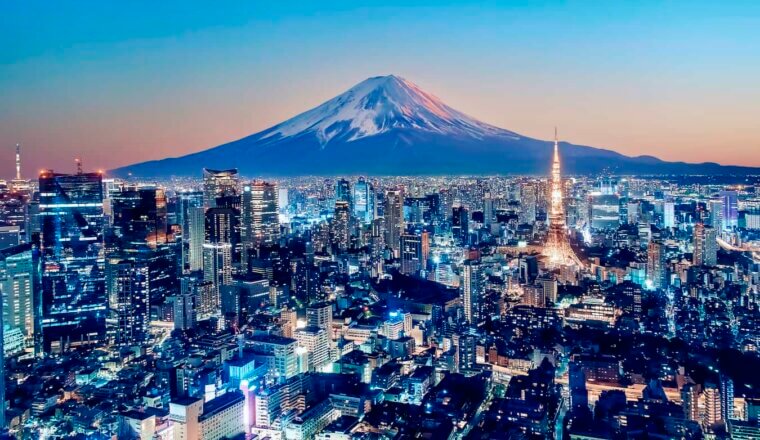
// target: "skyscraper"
[[557, 249], [129, 299], [18, 268], [340, 225], [705, 245], [71, 243], [472, 290], [218, 247], [218, 184], [460, 225], [656, 270], [730, 209], [266, 220], [414, 249], [364, 201], [190, 217], [394, 220], [669, 214], [343, 191]]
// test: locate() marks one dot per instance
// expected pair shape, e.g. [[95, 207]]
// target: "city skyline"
[[649, 79]]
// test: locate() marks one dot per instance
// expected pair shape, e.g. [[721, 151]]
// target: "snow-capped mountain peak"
[[378, 105]]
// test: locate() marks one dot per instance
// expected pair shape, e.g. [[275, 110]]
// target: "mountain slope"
[[387, 125]]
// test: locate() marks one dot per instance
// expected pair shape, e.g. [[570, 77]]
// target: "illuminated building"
[[472, 290], [460, 225], [73, 282], [557, 249], [265, 216], [190, 217], [364, 201], [129, 300], [18, 288], [705, 245], [218, 184], [394, 220], [656, 270]]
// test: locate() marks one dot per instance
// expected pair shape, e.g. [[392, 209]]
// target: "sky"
[[115, 83]]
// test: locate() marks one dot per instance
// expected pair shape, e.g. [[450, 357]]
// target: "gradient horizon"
[[118, 84]]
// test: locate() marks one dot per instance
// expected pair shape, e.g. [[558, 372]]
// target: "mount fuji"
[[387, 125]]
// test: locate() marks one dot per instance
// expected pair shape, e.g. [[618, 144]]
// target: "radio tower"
[[557, 249], [18, 161]]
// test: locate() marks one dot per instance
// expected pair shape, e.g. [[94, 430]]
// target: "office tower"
[[730, 203], [715, 218], [316, 343], [219, 184], [343, 191], [528, 269], [487, 210], [73, 284], [18, 268], [460, 225], [465, 352], [528, 201], [266, 220], [472, 290], [669, 214], [139, 216], [364, 201], [557, 249], [549, 286], [319, 315], [394, 220], [247, 241], [129, 300], [414, 252], [656, 269], [190, 217], [705, 245], [340, 226], [185, 309]]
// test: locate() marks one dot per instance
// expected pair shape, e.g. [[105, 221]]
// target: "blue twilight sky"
[[121, 82]]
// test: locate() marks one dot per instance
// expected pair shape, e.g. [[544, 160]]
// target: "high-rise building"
[[139, 216], [185, 309], [343, 191], [690, 401], [460, 225], [218, 247], [715, 207], [705, 245], [18, 287], [264, 210], [129, 300], [394, 220], [190, 217], [669, 214], [726, 398], [730, 200], [713, 411], [528, 202], [218, 184], [414, 252], [341, 226], [656, 268], [487, 210], [74, 300], [472, 290], [364, 201]]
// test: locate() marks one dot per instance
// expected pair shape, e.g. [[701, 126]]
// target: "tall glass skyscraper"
[[364, 201], [74, 299]]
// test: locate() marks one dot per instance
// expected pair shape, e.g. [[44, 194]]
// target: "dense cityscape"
[[522, 307]]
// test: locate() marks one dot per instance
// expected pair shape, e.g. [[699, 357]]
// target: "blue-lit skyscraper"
[[364, 201], [71, 242], [730, 209]]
